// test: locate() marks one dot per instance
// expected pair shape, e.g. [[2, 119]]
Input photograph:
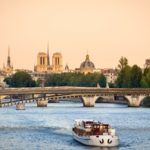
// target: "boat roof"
[[85, 120], [89, 121]]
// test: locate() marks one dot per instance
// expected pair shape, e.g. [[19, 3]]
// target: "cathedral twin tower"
[[43, 62]]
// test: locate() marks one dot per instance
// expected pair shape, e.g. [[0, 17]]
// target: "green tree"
[[75, 79], [111, 85], [102, 80], [123, 62], [123, 79], [136, 76], [145, 81], [20, 79]]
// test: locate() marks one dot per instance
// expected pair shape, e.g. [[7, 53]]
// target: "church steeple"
[[8, 58], [8, 69], [48, 59]]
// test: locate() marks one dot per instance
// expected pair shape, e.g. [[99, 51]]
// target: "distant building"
[[77, 70], [2, 77], [97, 70], [147, 63], [57, 66], [8, 69], [110, 74], [43, 63], [67, 69], [38, 75], [87, 66]]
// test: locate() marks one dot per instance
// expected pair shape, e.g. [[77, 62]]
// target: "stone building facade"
[[43, 63], [57, 66]]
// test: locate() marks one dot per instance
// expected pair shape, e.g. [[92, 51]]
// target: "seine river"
[[50, 128]]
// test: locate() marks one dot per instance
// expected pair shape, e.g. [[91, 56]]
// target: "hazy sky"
[[108, 29]]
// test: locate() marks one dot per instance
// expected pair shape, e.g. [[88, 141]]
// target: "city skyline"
[[107, 29], [50, 59]]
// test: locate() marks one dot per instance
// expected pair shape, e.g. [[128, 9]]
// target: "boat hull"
[[101, 140]]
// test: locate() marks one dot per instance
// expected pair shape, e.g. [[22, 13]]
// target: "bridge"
[[88, 95]]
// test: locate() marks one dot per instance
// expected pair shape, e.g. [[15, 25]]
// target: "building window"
[[40, 60], [43, 61], [58, 60]]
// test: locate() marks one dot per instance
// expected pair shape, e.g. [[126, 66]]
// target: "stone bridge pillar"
[[89, 101], [134, 100], [42, 102], [20, 106], [0, 103]]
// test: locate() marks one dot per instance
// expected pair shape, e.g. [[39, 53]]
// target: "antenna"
[[87, 52], [8, 50]]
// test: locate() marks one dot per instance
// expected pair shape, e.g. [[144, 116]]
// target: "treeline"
[[127, 77], [20, 79], [23, 79], [132, 76], [76, 79]]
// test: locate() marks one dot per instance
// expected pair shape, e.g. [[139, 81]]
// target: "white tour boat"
[[94, 133]]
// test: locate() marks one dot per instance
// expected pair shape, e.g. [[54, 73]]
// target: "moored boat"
[[94, 133]]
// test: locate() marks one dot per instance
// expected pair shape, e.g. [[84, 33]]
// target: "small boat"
[[94, 133]]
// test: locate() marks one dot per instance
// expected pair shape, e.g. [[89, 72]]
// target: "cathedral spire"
[[48, 59], [8, 51], [8, 58]]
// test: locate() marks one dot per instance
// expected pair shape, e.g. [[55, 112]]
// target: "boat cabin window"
[[88, 124]]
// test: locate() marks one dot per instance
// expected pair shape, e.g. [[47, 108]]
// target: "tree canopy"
[[123, 62], [135, 76], [145, 81], [76, 79], [132, 76], [20, 79]]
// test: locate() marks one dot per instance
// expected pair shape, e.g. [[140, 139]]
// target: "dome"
[[87, 64]]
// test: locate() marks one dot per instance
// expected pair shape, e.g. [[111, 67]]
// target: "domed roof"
[[87, 63]]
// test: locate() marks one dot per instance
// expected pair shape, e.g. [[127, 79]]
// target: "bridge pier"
[[89, 101], [20, 106], [134, 100], [42, 102]]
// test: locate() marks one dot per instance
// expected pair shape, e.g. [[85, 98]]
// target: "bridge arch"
[[146, 101], [134, 100], [99, 99]]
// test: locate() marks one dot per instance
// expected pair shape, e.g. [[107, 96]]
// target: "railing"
[[74, 90], [55, 93]]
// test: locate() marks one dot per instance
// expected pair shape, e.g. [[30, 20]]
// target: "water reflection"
[[105, 148]]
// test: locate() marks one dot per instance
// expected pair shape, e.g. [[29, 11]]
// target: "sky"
[[105, 29]]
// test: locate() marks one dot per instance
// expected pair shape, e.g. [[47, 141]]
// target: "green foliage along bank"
[[20, 79], [76, 79], [132, 76]]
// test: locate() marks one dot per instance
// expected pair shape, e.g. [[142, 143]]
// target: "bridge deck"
[[75, 90], [66, 92]]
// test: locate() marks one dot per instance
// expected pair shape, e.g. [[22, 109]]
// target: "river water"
[[50, 128]]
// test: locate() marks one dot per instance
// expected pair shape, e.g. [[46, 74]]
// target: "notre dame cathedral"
[[44, 65]]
